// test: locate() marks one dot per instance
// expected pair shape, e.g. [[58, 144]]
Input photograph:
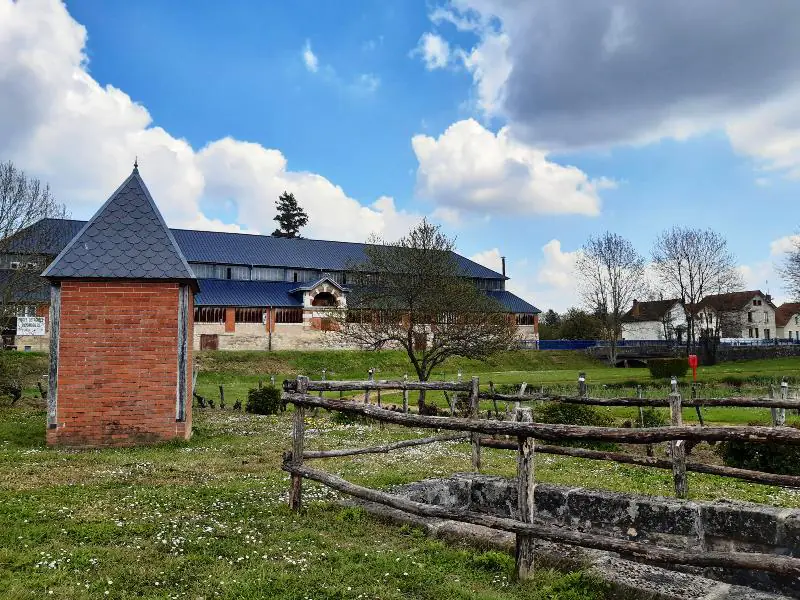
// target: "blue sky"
[[521, 127]]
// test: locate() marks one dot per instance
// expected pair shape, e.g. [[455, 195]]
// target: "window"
[[209, 314], [289, 315], [756, 330], [31, 265], [766, 317], [15, 265], [749, 332], [27, 310], [267, 274], [250, 315], [766, 334], [525, 319], [238, 273], [301, 275], [750, 317], [790, 335], [797, 320], [204, 271]]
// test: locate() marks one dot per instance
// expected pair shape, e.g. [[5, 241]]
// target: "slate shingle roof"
[[248, 249], [512, 302], [126, 239], [732, 301]]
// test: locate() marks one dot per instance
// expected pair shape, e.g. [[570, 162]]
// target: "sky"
[[522, 127]]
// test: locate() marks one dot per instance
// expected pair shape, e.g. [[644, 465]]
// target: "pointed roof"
[[785, 312], [126, 239], [650, 310]]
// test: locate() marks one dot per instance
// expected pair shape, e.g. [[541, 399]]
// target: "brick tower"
[[121, 304]]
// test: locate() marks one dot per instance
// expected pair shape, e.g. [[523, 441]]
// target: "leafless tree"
[[24, 201], [789, 269], [611, 274], [691, 264], [411, 294]]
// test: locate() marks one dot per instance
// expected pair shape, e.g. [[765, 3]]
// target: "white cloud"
[[490, 67], [548, 282], [470, 168], [434, 50], [59, 124], [490, 259], [309, 58], [787, 243]]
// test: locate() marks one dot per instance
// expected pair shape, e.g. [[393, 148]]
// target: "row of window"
[[750, 318], [752, 332], [216, 314]]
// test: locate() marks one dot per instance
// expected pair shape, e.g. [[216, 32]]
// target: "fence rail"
[[521, 435]]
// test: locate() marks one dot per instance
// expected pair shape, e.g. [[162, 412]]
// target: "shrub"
[[264, 401], [18, 371], [653, 417], [574, 414], [770, 458], [661, 368]]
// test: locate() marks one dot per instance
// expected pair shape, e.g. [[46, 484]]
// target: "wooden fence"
[[523, 433]]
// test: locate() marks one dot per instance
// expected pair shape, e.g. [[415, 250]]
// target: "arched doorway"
[[324, 299]]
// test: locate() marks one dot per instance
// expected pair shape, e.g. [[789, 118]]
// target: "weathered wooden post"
[[678, 447], [221, 396], [298, 435], [520, 394], [640, 395], [370, 377], [272, 380], [582, 388], [459, 376], [784, 396], [697, 406], [405, 393], [494, 400], [473, 414], [526, 505], [773, 411]]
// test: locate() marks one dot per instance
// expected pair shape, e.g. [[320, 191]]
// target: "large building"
[[255, 291]]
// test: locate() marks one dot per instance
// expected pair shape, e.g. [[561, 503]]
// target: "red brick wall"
[[117, 364], [230, 319]]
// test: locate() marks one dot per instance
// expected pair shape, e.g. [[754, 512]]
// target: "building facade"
[[256, 292], [655, 320], [787, 321], [749, 314]]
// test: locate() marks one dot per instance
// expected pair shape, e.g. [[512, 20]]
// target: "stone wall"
[[117, 364], [734, 353], [254, 336], [698, 526]]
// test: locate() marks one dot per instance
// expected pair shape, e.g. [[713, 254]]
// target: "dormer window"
[[15, 265]]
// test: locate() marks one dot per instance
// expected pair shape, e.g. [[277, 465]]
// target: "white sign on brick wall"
[[30, 325]]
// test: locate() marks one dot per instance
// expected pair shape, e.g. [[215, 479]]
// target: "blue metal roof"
[[512, 302], [127, 238], [232, 292], [236, 248]]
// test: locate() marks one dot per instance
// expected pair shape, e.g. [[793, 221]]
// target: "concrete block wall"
[[118, 364]]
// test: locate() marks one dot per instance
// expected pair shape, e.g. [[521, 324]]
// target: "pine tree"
[[291, 216]]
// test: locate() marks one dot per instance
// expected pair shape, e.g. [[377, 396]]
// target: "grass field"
[[207, 518]]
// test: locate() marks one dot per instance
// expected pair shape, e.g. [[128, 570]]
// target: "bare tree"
[[411, 294], [789, 269], [24, 251], [691, 264], [611, 273]]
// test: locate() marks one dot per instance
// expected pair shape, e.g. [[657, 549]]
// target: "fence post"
[[494, 401], [370, 377], [582, 391], [640, 395], [784, 396], [697, 407], [272, 380], [405, 394], [773, 411], [678, 447], [221, 396], [298, 434], [473, 414], [526, 504]]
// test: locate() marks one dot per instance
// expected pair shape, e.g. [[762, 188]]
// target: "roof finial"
[[136, 164]]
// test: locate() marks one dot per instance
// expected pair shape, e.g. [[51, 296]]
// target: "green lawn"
[[207, 518]]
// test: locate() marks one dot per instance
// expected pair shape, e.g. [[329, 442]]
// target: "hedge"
[[661, 368], [264, 401]]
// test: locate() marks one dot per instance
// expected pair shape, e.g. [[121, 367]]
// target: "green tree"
[[577, 324], [291, 217], [550, 326]]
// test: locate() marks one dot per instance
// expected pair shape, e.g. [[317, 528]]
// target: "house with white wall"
[[749, 314], [787, 321], [655, 320]]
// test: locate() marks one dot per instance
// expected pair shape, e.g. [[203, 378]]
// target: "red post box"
[[693, 365]]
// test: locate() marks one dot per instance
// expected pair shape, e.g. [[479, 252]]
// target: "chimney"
[[768, 297], [503, 259], [635, 310]]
